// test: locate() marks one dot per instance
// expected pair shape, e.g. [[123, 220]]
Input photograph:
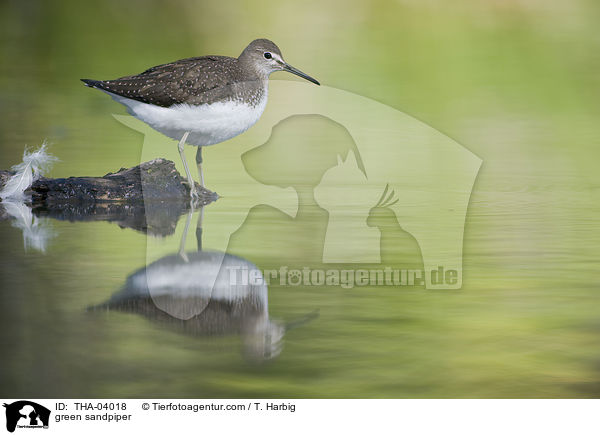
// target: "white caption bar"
[[118, 416]]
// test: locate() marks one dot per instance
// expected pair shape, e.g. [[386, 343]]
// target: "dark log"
[[149, 197], [156, 180]]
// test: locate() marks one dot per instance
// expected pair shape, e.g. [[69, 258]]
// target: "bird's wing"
[[196, 80]]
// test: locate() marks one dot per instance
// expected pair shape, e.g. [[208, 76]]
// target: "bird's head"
[[265, 57]]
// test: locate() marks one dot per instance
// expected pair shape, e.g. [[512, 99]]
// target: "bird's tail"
[[92, 83]]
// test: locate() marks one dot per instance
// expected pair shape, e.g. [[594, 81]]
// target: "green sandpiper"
[[201, 100]]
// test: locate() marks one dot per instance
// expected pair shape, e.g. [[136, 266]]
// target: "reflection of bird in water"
[[397, 245], [196, 294]]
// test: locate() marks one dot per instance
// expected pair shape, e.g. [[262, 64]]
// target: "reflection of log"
[[157, 219], [149, 197]]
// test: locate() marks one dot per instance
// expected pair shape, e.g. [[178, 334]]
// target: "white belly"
[[208, 124]]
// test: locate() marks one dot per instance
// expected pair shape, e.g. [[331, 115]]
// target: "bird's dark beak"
[[289, 68]]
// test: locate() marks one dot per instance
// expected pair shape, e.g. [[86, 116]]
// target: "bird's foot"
[[193, 190], [200, 195], [194, 196]]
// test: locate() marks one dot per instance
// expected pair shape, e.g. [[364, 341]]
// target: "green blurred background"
[[515, 81]]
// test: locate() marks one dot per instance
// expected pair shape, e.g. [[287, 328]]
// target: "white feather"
[[34, 165]]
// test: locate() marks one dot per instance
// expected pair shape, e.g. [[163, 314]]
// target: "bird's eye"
[[268, 55]]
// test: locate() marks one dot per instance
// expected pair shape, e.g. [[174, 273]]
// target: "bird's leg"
[[199, 164], [188, 219], [193, 192], [199, 228]]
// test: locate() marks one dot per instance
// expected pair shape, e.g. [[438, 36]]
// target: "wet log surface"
[[156, 180], [149, 197]]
